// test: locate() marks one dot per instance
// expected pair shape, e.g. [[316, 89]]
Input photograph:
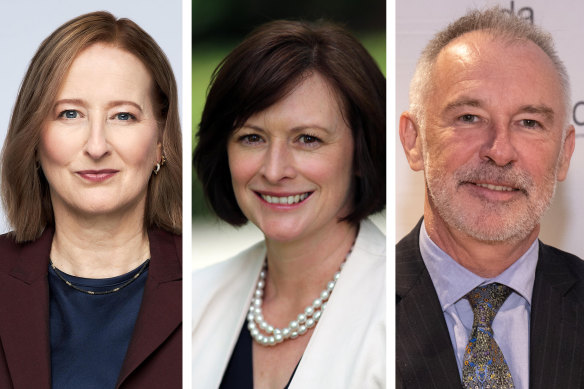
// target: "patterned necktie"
[[484, 365]]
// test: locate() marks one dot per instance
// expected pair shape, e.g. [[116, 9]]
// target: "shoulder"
[[371, 240], [26, 253], [410, 243], [234, 265], [7, 242], [552, 256], [409, 265], [158, 234], [239, 273], [9, 251], [367, 259], [165, 244]]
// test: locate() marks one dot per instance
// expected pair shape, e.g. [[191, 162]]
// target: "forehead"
[[312, 97], [502, 70], [102, 67]]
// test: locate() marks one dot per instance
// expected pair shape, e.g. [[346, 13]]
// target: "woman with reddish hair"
[[90, 276]]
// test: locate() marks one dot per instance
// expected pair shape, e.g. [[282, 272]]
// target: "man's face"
[[492, 145]]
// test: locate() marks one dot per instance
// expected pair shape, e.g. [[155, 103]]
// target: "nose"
[[97, 145], [499, 146], [278, 162]]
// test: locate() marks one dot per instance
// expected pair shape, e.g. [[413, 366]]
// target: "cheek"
[[332, 171], [448, 154], [57, 148], [243, 167], [539, 161], [341, 166], [137, 150]]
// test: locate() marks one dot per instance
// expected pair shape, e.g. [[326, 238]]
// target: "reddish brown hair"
[[25, 190]]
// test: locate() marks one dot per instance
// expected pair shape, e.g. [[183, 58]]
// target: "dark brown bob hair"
[[25, 190], [267, 66]]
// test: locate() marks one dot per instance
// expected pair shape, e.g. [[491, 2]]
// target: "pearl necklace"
[[268, 335]]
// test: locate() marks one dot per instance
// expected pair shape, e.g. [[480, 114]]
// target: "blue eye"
[[125, 116], [69, 114]]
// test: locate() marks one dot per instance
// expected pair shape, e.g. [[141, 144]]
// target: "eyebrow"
[[109, 105], [250, 126], [293, 130], [462, 102], [543, 110]]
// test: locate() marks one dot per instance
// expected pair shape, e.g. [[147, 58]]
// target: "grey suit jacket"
[[424, 355]]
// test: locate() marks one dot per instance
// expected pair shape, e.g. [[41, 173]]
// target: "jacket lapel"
[[425, 358], [161, 311], [221, 298], [557, 322], [24, 314]]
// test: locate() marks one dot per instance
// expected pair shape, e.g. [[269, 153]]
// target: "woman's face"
[[101, 140], [291, 164]]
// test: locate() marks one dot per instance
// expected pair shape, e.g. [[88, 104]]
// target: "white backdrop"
[[416, 22], [24, 24]]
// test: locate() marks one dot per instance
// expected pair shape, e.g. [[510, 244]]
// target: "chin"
[[493, 225], [102, 207], [98, 209], [282, 235], [280, 232], [282, 238]]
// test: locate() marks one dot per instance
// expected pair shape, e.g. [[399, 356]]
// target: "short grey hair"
[[499, 24]]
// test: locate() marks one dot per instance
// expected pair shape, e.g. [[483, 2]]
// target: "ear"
[[411, 141], [567, 151], [159, 152]]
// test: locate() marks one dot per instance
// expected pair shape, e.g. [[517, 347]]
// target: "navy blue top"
[[239, 372], [90, 334]]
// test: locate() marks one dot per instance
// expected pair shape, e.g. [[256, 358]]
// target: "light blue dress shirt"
[[511, 325]]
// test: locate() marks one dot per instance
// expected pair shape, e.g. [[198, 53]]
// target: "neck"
[[299, 270], [485, 259], [99, 246]]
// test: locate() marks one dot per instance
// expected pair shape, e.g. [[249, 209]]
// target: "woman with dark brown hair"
[[90, 276], [292, 138]]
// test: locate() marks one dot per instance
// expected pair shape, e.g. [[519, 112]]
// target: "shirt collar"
[[452, 281]]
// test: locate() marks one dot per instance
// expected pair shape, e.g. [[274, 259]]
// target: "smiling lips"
[[285, 200], [97, 175], [500, 188]]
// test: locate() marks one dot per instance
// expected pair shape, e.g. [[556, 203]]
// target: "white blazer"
[[347, 347]]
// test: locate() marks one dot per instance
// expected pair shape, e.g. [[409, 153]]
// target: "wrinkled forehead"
[[482, 59]]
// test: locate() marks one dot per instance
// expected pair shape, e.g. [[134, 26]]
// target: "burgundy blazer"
[[154, 356]]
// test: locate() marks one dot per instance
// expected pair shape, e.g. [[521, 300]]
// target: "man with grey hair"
[[481, 302]]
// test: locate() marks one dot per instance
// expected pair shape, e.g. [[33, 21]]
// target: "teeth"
[[286, 199], [496, 187]]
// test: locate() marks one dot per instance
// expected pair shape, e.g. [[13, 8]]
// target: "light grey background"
[[24, 24], [416, 22]]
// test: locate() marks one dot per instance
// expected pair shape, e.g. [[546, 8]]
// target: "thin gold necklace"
[[59, 274]]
